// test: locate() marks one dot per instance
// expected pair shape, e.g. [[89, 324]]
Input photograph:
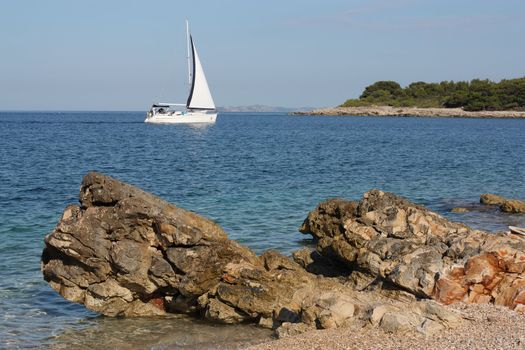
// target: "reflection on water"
[[197, 128], [180, 332]]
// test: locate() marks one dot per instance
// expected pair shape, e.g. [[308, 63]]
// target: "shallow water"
[[257, 175]]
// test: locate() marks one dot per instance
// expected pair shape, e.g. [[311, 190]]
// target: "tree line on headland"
[[476, 95]]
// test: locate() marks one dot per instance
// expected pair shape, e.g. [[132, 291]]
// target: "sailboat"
[[199, 107]]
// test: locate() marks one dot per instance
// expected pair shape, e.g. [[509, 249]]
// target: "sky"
[[126, 54]]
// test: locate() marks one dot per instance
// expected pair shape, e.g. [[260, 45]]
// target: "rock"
[[429, 327], [491, 199], [398, 322], [219, 311], [378, 312], [288, 329], [125, 252], [401, 244], [389, 111], [267, 322], [312, 261], [425, 316], [335, 310], [513, 206], [459, 210]]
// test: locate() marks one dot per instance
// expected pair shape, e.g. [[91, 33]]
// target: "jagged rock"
[[125, 252], [414, 249]]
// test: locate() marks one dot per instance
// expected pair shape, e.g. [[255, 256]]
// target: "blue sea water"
[[257, 175]]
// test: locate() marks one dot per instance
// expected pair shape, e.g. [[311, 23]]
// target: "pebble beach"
[[487, 327]]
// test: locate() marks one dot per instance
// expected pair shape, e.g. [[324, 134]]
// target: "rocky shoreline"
[[388, 111], [381, 264]]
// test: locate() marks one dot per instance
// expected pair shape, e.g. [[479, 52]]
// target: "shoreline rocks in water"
[[513, 206], [379, 262], [388, 111], [459, 210]]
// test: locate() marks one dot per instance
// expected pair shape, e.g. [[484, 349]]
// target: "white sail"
[[200, 96]]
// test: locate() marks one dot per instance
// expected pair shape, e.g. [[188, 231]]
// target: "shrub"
[[475, 95]]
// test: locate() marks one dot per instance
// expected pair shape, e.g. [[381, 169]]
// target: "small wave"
[[33, 190], [36, 313], [20, 229]]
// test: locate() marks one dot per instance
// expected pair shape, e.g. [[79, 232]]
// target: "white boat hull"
[[181, 118], [517, 230]]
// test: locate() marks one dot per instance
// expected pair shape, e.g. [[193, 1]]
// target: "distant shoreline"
[[388, 111]]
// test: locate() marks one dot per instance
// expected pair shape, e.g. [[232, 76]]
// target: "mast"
[[199, 96], [188, 55]]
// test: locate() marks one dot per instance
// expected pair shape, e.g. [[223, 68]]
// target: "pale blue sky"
[[124, 55]]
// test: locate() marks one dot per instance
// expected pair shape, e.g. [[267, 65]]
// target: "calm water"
[[257, 175]]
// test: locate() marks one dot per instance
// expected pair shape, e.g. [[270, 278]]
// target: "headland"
[[389, 111]]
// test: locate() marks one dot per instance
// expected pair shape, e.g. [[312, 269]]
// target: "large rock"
[[124, 252], [411, 248]]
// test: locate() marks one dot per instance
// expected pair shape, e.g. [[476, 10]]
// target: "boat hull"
[[181, 118], [517, 230]]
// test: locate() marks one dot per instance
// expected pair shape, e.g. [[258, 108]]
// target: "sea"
[[256, 174]]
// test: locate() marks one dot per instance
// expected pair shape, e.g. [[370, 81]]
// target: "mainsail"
[[200, 96]]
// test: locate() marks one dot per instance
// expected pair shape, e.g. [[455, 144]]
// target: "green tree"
[[382, 88], [475, 95]]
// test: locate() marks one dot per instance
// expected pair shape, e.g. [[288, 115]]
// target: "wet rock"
[[513, 206], [491, 199], [219, 311], [459, 210]]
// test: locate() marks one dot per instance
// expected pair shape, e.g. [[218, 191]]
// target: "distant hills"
[[262, 108]]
